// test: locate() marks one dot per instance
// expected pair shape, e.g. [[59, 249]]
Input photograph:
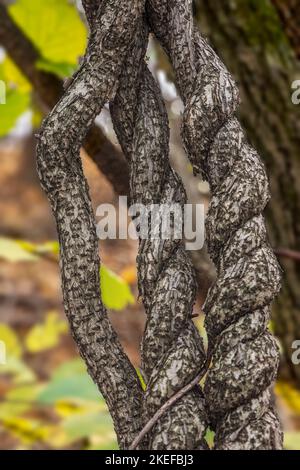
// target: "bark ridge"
[[245, 355]]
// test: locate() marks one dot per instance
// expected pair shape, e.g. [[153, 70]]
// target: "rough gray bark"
[[172, 351], [60, 172], [249, 37], [245, 356]]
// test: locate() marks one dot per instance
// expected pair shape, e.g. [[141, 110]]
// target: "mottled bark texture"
[[172, 350], [248, 35], [245, 355], [61, 175], [48, 89]]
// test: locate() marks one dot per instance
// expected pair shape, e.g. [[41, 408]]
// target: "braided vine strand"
[[61, 175], [245, 356], [172, 350]]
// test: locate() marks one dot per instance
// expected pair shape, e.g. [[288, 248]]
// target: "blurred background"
[[47, 400]]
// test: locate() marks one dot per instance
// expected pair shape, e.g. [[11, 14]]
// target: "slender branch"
[[171, 402], [287, 253]]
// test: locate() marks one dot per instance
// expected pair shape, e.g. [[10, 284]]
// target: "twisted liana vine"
[[61, 175], [172, 350], [245, 355]]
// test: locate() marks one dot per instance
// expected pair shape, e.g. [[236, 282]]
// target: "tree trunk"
[[249, 37], [289, 12]]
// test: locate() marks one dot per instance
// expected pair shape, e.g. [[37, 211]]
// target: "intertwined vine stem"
[[172, 350], [244, 354], [245, 358], [61, 175]]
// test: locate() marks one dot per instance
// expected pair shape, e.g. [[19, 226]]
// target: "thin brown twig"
[[169, 403], [287, 253]]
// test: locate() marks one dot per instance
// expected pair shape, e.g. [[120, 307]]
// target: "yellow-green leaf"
[[11, 341], [85, 425], [16, 104], [18, 401], [61, 69], [292, 441], [17, 368], [54, 26], [46, 335], [141, 379], [12, 250], [116, 293], [70, 381], [27, 430], [50, 247], [13, 76]]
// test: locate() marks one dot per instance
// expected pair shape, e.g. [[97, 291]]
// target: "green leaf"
[[69, 368], [11, 341], [61, 69], [116, 293], [209, 437], [85, 425], [141, 379], [17, 96], [20, 372], [16, 104], [54, 26], [18, 401], [104, 445], [12, 250], [292, 441], [13, 77], [27, 430], [78, 385], [46, 335], [50, 247]]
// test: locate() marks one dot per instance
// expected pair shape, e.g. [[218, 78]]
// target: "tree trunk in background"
[[289, 12], [248, 35]]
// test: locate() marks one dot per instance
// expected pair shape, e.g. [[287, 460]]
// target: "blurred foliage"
[[290, 395], [65, 409], [79, 410], [115, 291], [46, 335], [60, 44], [78, 413]]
